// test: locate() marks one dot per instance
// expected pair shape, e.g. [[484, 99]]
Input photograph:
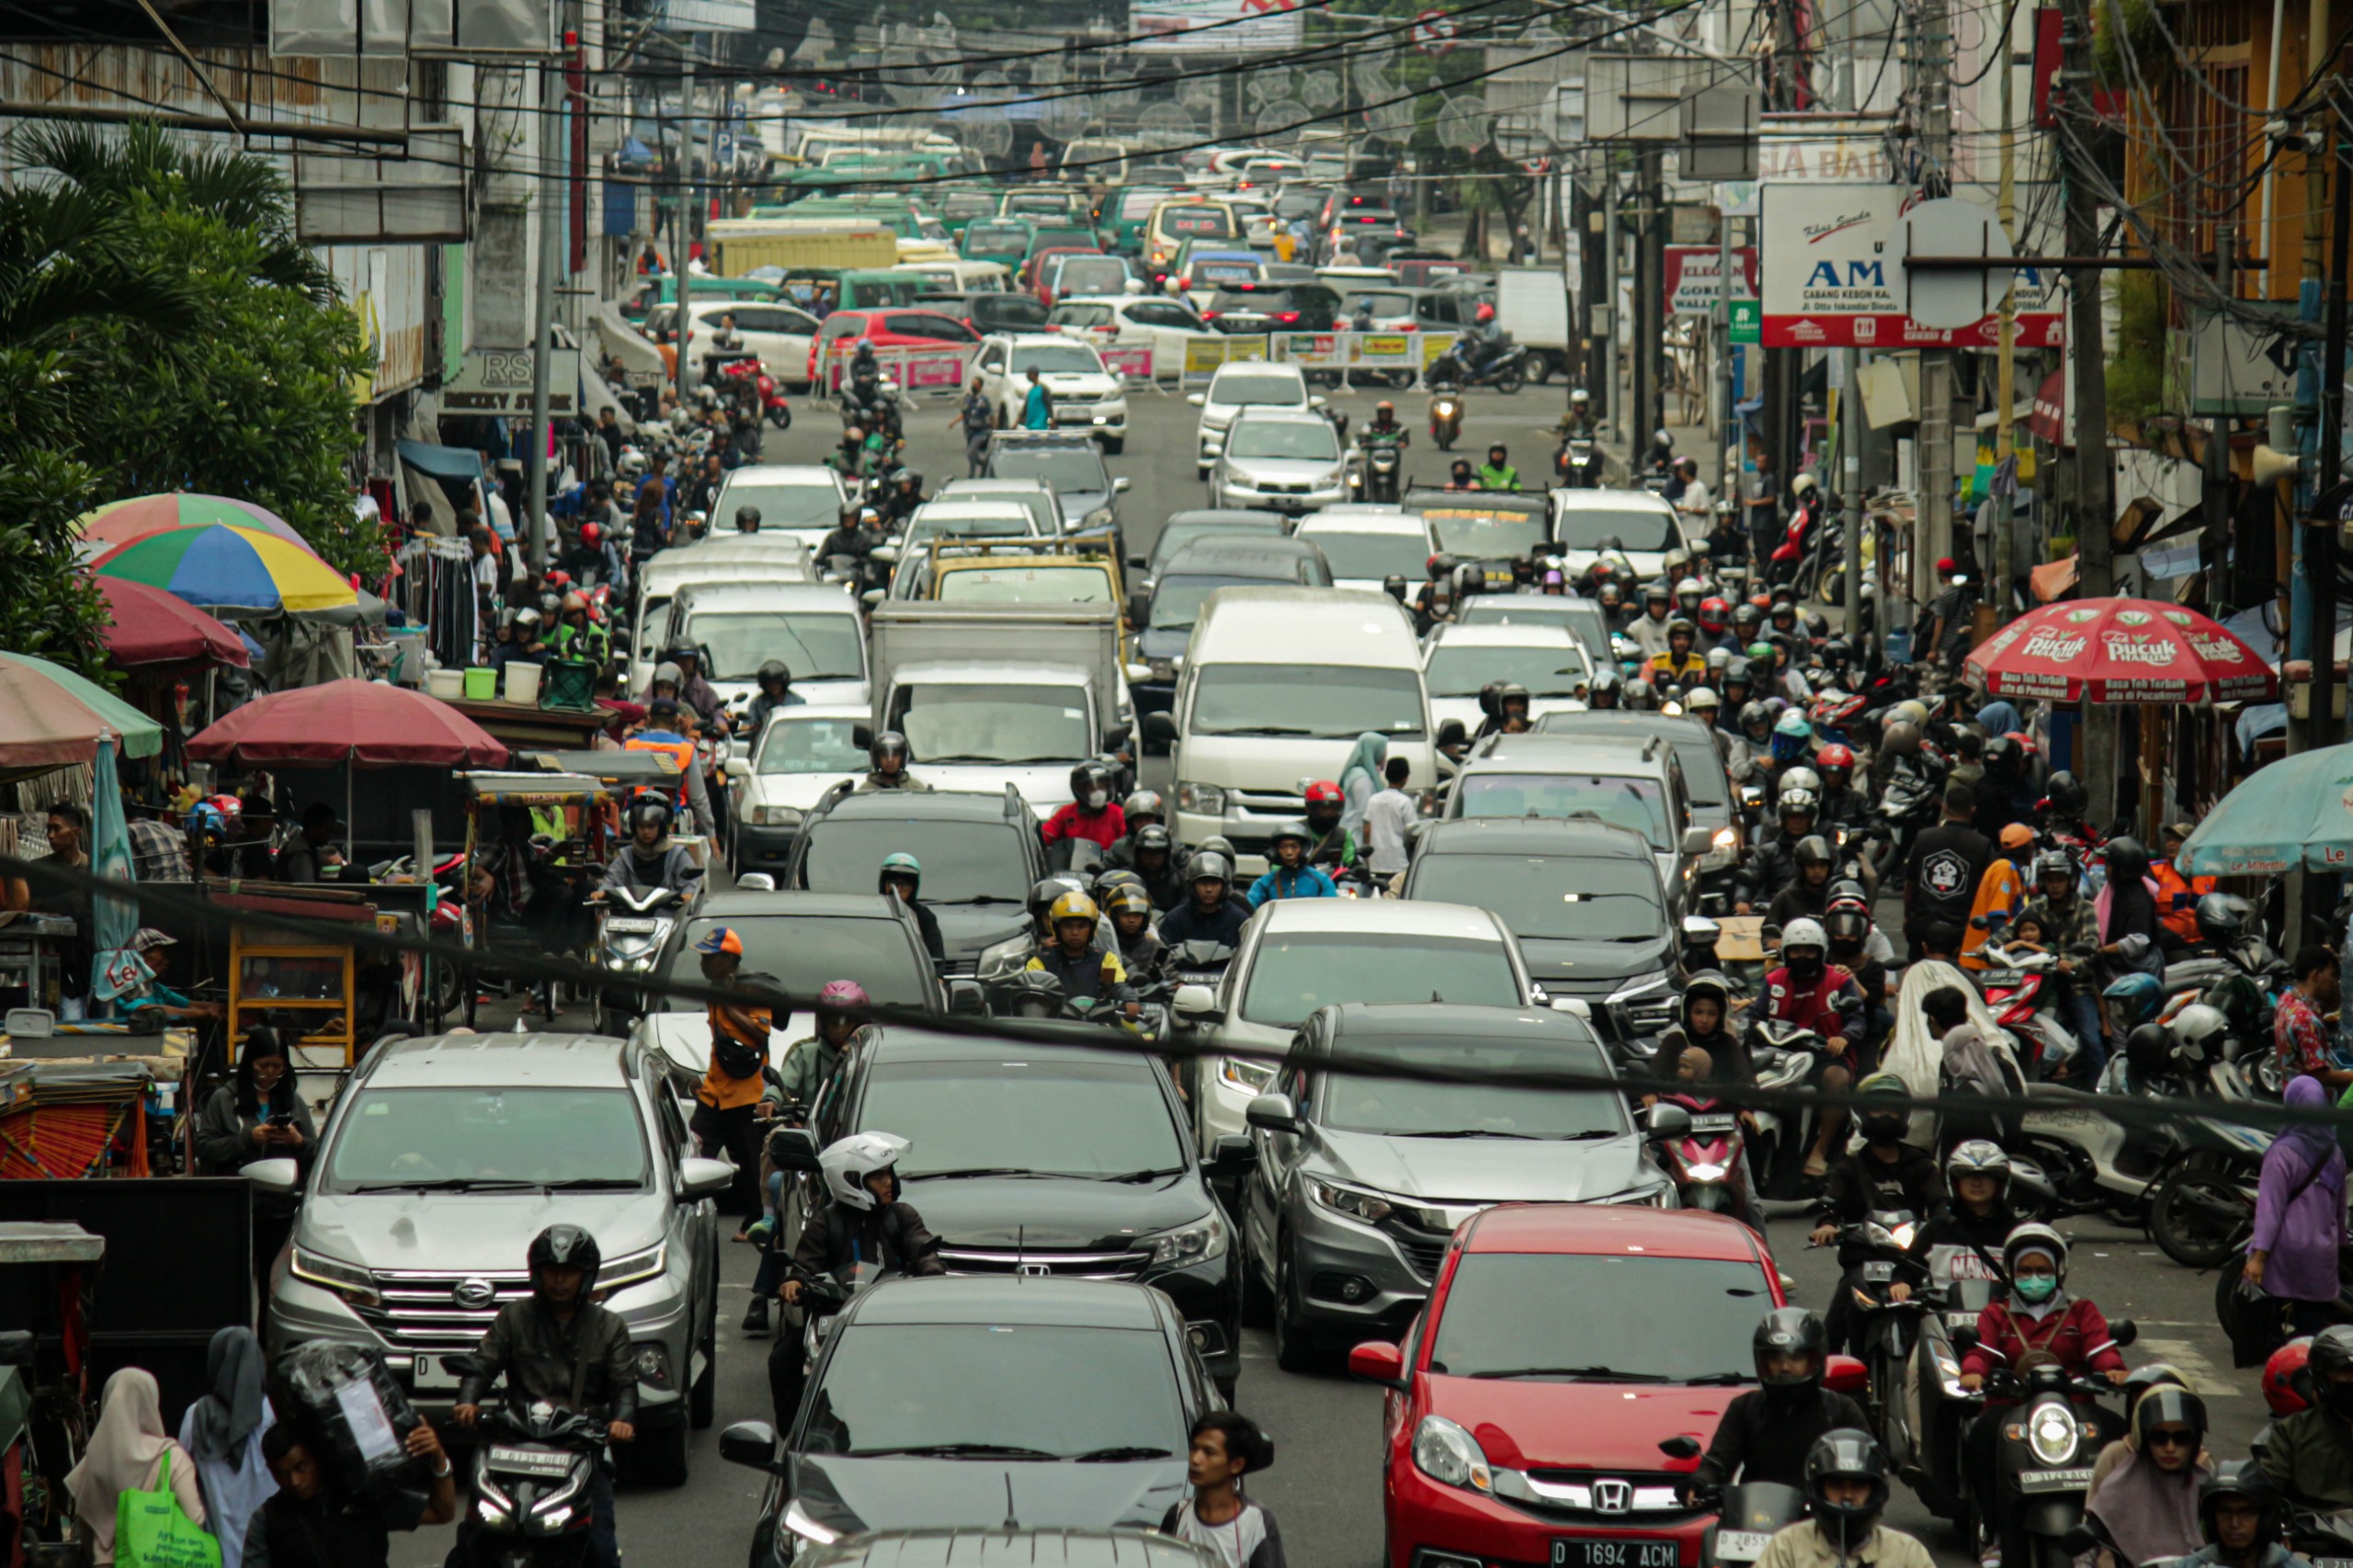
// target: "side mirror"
[[1964, 1338], [1121, 485], [756, 882], [793, 1148], [752, 1444], [886, 554], [1319, 402], [1138, 607], [739, 769], [1378, 1361], [1698, 840], [871, 598], [967, 1000], [274, 1176], [1198, 399], [1233, 1156], [2123, 1331], [1160, 727], [1669, 1121], [699, 1177], [1682, 1446], [1575, 1006], [1452, 733], [1702, 932], [1273, 1113], [861, 736], [1195, 1001], [1846, 1374]]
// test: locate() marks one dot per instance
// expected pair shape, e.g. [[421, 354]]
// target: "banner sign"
[[1132, 364], [1695, 284], [1826, 279], [936, 370]]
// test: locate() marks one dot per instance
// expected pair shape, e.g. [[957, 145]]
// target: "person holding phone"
[[259, 1115]]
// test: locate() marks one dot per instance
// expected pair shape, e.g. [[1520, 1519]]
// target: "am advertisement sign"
[[1827, 270]]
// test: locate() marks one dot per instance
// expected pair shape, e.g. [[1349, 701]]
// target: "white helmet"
[[1702, 697], [630, 463], [2199, 1028], [1691, 585], [847, 1161], [1803, 932], [1801, 778]]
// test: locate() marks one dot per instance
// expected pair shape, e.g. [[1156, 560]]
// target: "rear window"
[[1009, 313], [1137, 205], [1081, 315], [1224, 269], [1063, 239], [1048, 206], [1213, 222], [995, 236], [1283, 392]]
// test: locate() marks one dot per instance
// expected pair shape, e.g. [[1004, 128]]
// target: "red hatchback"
[[1561, 1343]]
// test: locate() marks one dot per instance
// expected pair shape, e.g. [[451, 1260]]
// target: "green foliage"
[[50, 610], [2135, 371]]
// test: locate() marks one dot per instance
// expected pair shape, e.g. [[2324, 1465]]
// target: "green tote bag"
[[150, 1530]]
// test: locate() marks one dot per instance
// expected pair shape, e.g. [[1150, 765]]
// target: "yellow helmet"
[[1073, 906]]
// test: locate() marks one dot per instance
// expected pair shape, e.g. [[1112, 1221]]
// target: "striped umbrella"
[[224, 568], [119, 522], [51, 718]]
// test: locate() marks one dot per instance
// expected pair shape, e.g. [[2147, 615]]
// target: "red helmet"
[[1324, 793], [1834, 755], [2026, 748], [558, 579], [2284, 1387], [1762, 601], [1716, 614], [1485, 315], [591, 535]]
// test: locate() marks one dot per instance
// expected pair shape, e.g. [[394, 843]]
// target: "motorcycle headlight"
[[1365, 1207], [1250, 1077], [354, 1284], [797, 1521], [2053, 1434], [1707, 1172], [1194, 1244], [1001, 959], [1726, 839], [776, 816], [1450, 1456], [1208, 799]]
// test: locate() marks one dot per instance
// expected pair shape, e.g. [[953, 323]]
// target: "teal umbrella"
[[115, 968], [2294, 813]]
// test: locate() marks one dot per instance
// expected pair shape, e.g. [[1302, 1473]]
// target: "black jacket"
[[1794, 900], [1863, 1183], [545, 1358], [928, 923], [1766, 1434], [892, 1234], [1186, 924], [1730, 1063], [1941, 877], [1772, 867]]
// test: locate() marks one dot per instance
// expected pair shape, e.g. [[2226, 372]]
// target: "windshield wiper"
[[1118, 1456], [981, 899], [955, 1451], [451, 1184], [1139, 1175], [970, 1171], [1719, 1379], [1583, 1374], [1470, 1132], [592, 1183], [1262, 730]]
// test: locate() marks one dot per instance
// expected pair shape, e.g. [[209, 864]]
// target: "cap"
[[2017, 835], [720, 940], [662, 705]]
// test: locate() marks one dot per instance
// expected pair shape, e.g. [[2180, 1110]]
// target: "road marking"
[[2205, 1380]]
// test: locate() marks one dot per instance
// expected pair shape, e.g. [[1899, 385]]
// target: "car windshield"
[[1027, 585], [1056, 359], [1562, 897], [991, 525], [995, 236], [1296, 439], [993, 724], [1007, 313], [964, 862], [1580, 617], [1381, 305], [1064, 467], [1197, 222], [1294, 973], [1413, 1108], [1048, 206], [1462, 671], [1483, 535], [1089, 275], [1371, 555], [1336, 703], [1176, 601], [1653, 1319], [1279, 391], [1637, 803], [816, 647], [1636, 528], [810, 745], [804, 952], [1058, 1118], [1042, 1390], [814, 503], [491, 1137], [967, 204]]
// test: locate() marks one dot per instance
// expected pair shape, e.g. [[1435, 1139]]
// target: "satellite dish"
[[1319, 90], [1068, 117], [987, 131], [1943, 300], [1463, 123], [1389, 123]]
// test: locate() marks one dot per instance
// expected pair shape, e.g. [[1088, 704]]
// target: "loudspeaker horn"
[[2270, 463]]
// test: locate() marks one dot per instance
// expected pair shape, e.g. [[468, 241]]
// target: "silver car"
[[1279, 460], [1362, 1177], [444, 1157]]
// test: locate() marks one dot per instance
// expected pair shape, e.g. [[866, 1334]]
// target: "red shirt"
[[1832, 1006], [1104, 827], [2069, 1334]]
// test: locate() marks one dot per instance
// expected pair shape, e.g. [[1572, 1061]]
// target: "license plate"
[[1585, 1552], [1739, 1546], [1998, 977], [1878, 1272], [431, 1374], [631, 927], [530, 1461], [1960, 1320], [2040, 1481], [1713, 1123]]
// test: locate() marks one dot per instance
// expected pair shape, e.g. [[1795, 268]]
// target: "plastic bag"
[[353, 1417]]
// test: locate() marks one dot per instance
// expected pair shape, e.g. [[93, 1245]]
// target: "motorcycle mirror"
[[1669, 1121], [1682, 1446], [793, 1148], [1964, 1338], [1453, 733], [756, 882], [1846, 1374], [2123, 1331], [871, 598], [738, 767], [861, 736]]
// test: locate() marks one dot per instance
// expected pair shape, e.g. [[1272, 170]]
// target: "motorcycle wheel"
[[1510, 379], [2184, 1223], [1401, 380], [781, 417], [1444, 437]]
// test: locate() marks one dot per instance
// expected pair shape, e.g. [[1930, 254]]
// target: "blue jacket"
[[1308, 881]]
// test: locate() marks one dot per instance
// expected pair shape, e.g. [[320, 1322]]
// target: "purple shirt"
[[2299, 1239]]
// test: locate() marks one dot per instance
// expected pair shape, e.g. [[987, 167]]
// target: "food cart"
[[45, 1415], [302, 985]]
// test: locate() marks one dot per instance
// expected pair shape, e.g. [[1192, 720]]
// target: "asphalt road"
[[1325, 1488]]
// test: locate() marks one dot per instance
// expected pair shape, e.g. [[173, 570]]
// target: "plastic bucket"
[[522, 682], [481, 684], [447, 684]]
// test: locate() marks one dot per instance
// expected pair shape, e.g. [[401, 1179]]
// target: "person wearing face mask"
[[2243, 1517], [1846, 1489], [2148, 1503], [1091, 814], [1767, 1433]]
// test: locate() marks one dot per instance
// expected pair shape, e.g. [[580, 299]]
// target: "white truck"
[[991, 695], [1532, 305]]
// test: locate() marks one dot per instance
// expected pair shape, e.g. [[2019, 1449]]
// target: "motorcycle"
[[1924, 1444], [1577, 460], [1704, 1159], [1445, 416], [2019, 987], [2042, 1453], [1373, 468], [634, 927], [1784, 1055], [1748, 1514], [532, 1474], [731, 374], [1885, 1329], [1507, 370]]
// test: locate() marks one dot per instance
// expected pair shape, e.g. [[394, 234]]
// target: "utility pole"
[[1849, 482], [2095, 500], [683, 237], [1612, 394], [2215, 499], [555, 180], [1780, 388], [1726, 422], [2320, 536], [1993, 609], [1642, 414], [1932, 532]]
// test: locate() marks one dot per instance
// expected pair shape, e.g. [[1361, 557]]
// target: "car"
[[1180, 219], [1279, 461], [923, 1389], [1163, 614], [1272, 307], [1035, 494], [1083, 273], [982, 313], [957, 517], [1120, 216], [776, 560], [1070, 464], [1070, 1164], [1181, 529], [812, 627], [1363, 1177], [802, 752], [1490, 528], [909, 326], [1299, 954], [1366, 543], [1084, 396], [1632, 525], [1705, 782], [446, 1154], [1202, 268], [1035, 277], [1237, 386], [780, 335], [1000, 240], [1459, 662], [1135, 321], [1634, 781], [1569, 1467], [1582, 899], [1584, 618], [1042, 204], [948, 1547], [804, 500], [980, 855]]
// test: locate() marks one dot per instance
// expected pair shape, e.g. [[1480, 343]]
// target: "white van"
[[1277, 684], [953, 275]]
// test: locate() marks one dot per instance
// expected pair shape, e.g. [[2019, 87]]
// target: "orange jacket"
[[2177, 899], [2000, 888]]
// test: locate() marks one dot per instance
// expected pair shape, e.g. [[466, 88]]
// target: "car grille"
[[1286, 490], [1047, 1263], [1424, 1251], [959, 969], [1592, 990], [1604, 1496], [421, 1311]]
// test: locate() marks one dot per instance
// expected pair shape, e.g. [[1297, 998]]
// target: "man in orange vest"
[[2177, 895], [2002, 887], [668, 730]]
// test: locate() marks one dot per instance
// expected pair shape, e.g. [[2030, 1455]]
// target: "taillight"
[[1287, 317]]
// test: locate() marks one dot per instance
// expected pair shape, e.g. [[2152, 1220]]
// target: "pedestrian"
[[2300, 1213], [258, 1116], [1386, 818], [129, 1451], [304, 1525], [727, 1101], [1224, 1446], [1037, 404], [1947, 862], [1360, 779], [976, 419], [222, 1431], [2299, 1025]]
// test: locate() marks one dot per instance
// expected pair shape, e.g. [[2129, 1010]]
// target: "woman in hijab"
[[2127, 907], [127, 1452], [1360, 779], [2148, 1504], [2000, 718], [2298, 1209], [223, 1430]]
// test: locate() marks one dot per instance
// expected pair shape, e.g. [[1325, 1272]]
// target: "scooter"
[[1704, 1160], [1924, 1446], [532, 1475], [1506, 371], [1445, 416], [1884, 1329], [1578, 462], [2042, 1453], [1373, 468], [730, 375], [627, 944], [1784, 1056], [2018, 987]]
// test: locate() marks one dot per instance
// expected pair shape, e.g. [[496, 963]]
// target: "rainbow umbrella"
[[224, 568], [119, 522]]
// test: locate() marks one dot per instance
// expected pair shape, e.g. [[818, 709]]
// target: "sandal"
[[1815, 1166]]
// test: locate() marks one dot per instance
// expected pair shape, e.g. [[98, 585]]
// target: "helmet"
[[527, 619], [1745, 619], [682, 648], [2001, 755], [1845, 1453], [1290, 830], [1880, 1126], [2155, 1375], [1702, 698], [865, 345], [1657, 592], [1580, 396], [2200, 1028], [1901, 740], [1848, 919], [1209, 864], [1046, 890], [1789, 1331], [2066, 796], [2163, 1402], [1751, 713], [775, 669], [1606, 681], [1678, 627], [1129, 900], [890, 743], [1689, 592], [1708, 984], [843, 997], [2054, 863], [1485, 313], [1793, 724], [592, 535], [2332, 1352], [2285, 1388], [2036, 1236], [2148, 1048], [2223, 917], [2134, 999], [1324, 793], [666, 673], [1384, 406], [1795, 802], [1090, 785], [1911, 711], [1978, 1156], [847, 1161], [1834, 757], [649, 809], [1718, 660], [1800, 778], [899, 863], [1074, 906], [1805, 932], [1114, 877], [909, 476], [1153, 835], [1714, 614], [1394, 586], [2243, 1479], [1811, 850], [1803, 484], [565, 1247], [1141, 803]]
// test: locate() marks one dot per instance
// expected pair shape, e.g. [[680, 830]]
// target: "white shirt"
[[1391, 813], [1695, 500]]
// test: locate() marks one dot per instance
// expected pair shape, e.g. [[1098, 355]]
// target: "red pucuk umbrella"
[[2120, 651], [367, 723], [151, 627]]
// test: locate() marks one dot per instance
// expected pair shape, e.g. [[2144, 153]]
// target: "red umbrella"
[[151, 627], [364, 722], [2120, 651]]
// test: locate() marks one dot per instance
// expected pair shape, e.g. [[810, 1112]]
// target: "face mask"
[[1098, 800], [2037, 1288]]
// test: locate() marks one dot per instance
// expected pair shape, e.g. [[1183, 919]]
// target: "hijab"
[[2315, 1141], [2150, 1513], [1968, 1060], [123, 1449], [2126, 902], [1370, 751], [227, 1416], [2000, 718]]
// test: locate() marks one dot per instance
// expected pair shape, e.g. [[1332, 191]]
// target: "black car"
[[1273, 307], [1582, 898], [980, 856], [990, 311], [805, 939], [1070, 1163], [1164, 612], [996, 1403]]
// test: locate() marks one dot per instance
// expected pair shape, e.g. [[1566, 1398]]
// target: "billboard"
[[1826, 273], [1694, 285], [1170, 26]]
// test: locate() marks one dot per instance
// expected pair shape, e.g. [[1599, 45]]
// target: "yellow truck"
[[740, 245]]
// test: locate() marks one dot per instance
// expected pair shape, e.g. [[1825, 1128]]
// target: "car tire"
[[1295, 1345], [658, 1457], [763, 1553], [1114, 445], [702, 1394], [1257, 1299]]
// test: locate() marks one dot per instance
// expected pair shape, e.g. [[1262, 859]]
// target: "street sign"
[[1747, 322], [1950, 227], [1695, 278], [1830, 280], [1435, 31]]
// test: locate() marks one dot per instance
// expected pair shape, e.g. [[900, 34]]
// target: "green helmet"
[[874, 442], [1761, 651], [900, 860]]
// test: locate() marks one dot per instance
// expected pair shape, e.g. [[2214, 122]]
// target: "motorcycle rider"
[[1288, 874], [2070, 927], [1496, 472], [1846, 1489], [1840, 803], [1211, 913], [796, 1088], [2310, 1454], [1857, 947], [693, 689], [1140, 810], [1772, 864], [558, 1345], [1649, 630], [1333, 847], [1766, 1434], [1384, 430], [647, 861], [1141, 947], [1578, 423], [1705, 1021], [1806, 506], [667, 728], [2003, 888], [900, 877], [774, 679], [2243, 1517], [1965, 1241], [887, 757], [1885, 1173], [1604, 690], [905, 494], [1152, 857], [1091, 813], [1459, 475], [1679, 664], [1483, 343], [1810, 992], [1807, 894], [1084, 969], [858, 535]]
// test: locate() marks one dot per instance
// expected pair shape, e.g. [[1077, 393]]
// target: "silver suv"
[[444, 1157]]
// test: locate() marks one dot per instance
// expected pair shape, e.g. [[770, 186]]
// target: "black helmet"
[[1292, 829], [2332, 1352], [1043, 892], [1112, 877], [649, 809], [1153, 835], [1708, 983], [1394, 586], [682, 648], [1680, 627], [1789, 1331], [1089, 779], [890, 743], [2246, 1480], [1881, 1126], [1846, 1454], [747, 519], [2002, 755], [1811, 850], [909, 476], [2147, 1051], [2066, 796], [1752, 712], [1209, 864], [2163, 1403], [1490, 697], [565, 1247], [775, 669], [2223, 917], [1746, 617], [1027, 993]]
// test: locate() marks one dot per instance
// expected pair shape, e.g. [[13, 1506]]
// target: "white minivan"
[[1276, 686]]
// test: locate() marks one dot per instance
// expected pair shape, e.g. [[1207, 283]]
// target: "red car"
[[1561, 1343], [900, 326]]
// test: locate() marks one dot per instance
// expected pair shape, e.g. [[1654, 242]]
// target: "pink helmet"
[[842, 996]]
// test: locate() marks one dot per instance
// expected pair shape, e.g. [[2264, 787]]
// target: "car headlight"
[[2053, 1435], [1726, 839], [652, 1364], [1450, 1456], [1649, 1004], [797, 1521], [776, 816], [1659, 1197], [1001, 959], [1098, 518], [1706, 1172], [351, 1282], [1250, 1077], [1367, 1208], [635, 1268], [1208, 799], [1194, 1244]]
